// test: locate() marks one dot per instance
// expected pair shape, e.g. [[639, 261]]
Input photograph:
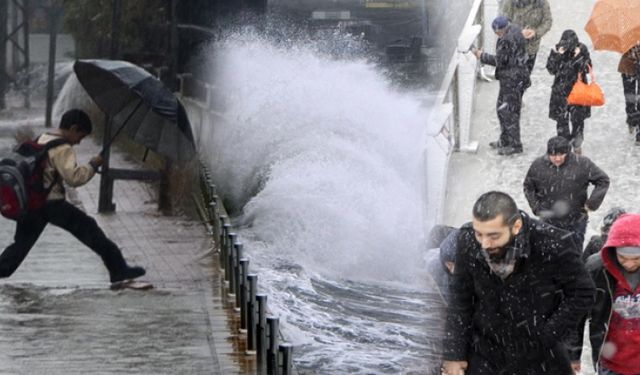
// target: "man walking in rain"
[[518, 285], [534, 17], [556, 187], [614, 321], [511, 71]]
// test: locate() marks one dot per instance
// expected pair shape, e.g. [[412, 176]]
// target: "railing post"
[[286, 351], [228, 274], [244, 269], [251, 313], [273, 326], [261, 333], [226, 228], [236, 272]]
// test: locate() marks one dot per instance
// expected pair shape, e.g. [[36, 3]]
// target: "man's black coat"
[[516, 326], [546, 184]]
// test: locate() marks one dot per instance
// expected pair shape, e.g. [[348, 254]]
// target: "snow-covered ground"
[[607, 141]]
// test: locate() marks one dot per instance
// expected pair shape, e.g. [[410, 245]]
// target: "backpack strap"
[[45, 154]]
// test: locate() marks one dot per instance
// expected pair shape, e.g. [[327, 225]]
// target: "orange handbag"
[[586, 94]]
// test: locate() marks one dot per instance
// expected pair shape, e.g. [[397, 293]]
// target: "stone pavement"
[[58, 315]]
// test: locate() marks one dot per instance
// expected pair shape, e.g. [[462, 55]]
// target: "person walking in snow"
[[62, 167], [534, 18], [629, 68], [511, 72], [566, 60], [556, 187], [614, 320], [518, 287]]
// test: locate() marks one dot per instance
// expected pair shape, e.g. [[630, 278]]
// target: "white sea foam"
[[322, 163]]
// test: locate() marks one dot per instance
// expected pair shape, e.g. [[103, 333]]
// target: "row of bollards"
[[262, 331]]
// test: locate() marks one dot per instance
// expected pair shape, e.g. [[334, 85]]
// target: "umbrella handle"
[[121, 127]]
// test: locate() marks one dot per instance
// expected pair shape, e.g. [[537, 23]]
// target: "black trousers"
[[575, 134], [508, 108], [531, 62], [68, 217], [631, 86]]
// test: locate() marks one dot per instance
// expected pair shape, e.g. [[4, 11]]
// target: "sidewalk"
[[58, 315], [607, 141]]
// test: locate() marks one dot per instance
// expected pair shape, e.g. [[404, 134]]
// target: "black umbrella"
[[139, 103]]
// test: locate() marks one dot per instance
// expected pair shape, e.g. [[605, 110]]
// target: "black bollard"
[[261, 333], [252, 280], [228, 274], [273, 326], [244, 271], [226, 229], [237, 271], [286, 352]]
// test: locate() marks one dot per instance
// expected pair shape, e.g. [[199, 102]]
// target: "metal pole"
[[226, 228], [273, 326], [115, 29], [171, 80], [105, 197], [286, 351], [231, 239], [261, 333], [4, 9], [252, 279], [26, 16], [53, 36], [244, 267], [236, 271]]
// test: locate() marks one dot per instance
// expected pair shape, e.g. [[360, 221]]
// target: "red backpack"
[[22, 187]]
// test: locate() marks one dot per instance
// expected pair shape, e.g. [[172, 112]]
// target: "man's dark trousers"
[[508, 108], [68, 217]]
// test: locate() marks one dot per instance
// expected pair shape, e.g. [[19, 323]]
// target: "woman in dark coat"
[[566, 60]]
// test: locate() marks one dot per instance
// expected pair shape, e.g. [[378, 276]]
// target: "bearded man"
[[519, 287]]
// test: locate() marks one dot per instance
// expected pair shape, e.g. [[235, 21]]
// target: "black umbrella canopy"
[[135, 99]]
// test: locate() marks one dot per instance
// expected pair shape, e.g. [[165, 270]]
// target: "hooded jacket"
[[535, 14], [516, 324], [622, 328], [565, 68], [546, 184]]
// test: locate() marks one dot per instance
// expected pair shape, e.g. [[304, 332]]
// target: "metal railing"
[[261, 329], [449, 126]]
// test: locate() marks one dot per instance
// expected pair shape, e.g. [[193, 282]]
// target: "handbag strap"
[[590, 73]]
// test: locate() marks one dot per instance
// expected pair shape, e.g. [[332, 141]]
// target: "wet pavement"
[[58, 316]]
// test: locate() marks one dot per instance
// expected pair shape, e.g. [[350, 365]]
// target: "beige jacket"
[[62, 161]]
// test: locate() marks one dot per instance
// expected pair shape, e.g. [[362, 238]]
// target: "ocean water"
[[319, 160]]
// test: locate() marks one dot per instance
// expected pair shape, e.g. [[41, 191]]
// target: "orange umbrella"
[[614, 25]]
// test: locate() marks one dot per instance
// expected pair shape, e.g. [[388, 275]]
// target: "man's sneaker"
[[506, 151], [494, 145], [128, 273]]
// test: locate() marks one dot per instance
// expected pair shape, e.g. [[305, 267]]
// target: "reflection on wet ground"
[[61, 331]]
